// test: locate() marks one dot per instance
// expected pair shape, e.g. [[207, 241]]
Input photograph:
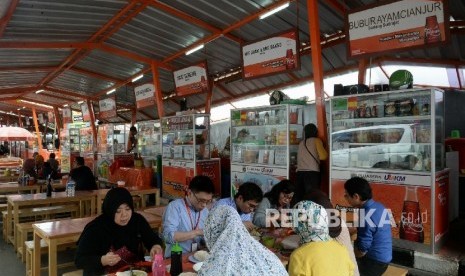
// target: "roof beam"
[[146, 115], [27, 69], [193, 20], [232, 27], [94, 75], [18, 90], [48, 45], [8, 15], [72, 94]]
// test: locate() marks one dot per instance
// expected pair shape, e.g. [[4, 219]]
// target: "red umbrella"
[[15, 134]]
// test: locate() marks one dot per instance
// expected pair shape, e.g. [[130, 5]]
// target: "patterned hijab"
[[315, 226], [232, 250]]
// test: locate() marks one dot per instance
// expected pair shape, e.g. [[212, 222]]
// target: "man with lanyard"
[[246, 200], [184, 218]]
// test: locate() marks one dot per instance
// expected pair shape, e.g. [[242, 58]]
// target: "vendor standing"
[[132, 141]]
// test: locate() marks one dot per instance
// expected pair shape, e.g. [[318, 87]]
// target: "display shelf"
[[178, 134], [264, 144], [149, 139], [399, 133], [400, 152]]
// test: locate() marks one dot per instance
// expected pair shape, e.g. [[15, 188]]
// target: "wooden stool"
[[395, 271], [43, 250]]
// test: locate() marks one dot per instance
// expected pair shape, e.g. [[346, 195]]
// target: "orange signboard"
[[192, 79], [67, 115], [397, 25], [275, 54], [85, 112], [409, 204], [175, 181], [145, 95]]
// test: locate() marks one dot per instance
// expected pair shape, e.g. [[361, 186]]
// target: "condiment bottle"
[[158, 269], [49, 185], [176, 260]]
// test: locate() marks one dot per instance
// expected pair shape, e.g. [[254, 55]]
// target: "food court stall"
[[395, 140], [186, 153]]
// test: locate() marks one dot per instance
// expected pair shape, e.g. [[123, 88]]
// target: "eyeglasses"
[[252, 205], [204, 201], [287, 196]]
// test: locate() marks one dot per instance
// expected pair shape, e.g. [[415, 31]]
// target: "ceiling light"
[[194, 49], [111, 91], [39, 91], [65, 105], [19, 109], [275, 10], [80, 102], [137, 78]]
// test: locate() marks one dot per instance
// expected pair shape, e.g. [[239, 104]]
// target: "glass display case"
[[264, 144], [112, 139], [74, 139], [388, 131], [186, 137], [186, 153], [149, 139], [395, 140]]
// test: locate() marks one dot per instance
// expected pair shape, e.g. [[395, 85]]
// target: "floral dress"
[[232, 250]]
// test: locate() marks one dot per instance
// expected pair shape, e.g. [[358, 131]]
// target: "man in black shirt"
[[82, 175]]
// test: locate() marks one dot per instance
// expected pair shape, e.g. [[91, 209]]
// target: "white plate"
[[192, 259], [134, 273], [197, 266]]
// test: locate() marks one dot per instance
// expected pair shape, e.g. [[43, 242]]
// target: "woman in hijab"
[[116, 238], [338, 231], [232, 250], [318, 253]]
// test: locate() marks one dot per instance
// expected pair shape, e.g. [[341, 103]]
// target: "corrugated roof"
[[78, 50]]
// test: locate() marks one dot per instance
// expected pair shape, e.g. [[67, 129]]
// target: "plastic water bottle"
[[158, 268], [70, 187], [176, 260]]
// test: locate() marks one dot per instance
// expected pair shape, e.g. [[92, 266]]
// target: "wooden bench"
[[43, 249], [393, 270], [23, 230], [74, 273], [38, 213]]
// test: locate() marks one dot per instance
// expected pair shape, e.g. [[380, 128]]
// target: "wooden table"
[[14, 187], [20, 201], [157, 211], [135, 191], [65, 231]]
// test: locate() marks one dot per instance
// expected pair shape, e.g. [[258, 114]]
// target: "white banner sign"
[[192, 79], [145, 95], [107, 108], [397, 25]]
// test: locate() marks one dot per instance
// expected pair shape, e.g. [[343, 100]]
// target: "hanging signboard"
[[275, 54], [145, 95], [67, 116], [191, 80], [107, 108], [85, 112], [51, 116], [41, 118], [396, 26]]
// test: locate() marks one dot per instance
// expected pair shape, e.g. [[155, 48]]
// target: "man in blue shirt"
[[373, 247], [184, 218], [246, 200]]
